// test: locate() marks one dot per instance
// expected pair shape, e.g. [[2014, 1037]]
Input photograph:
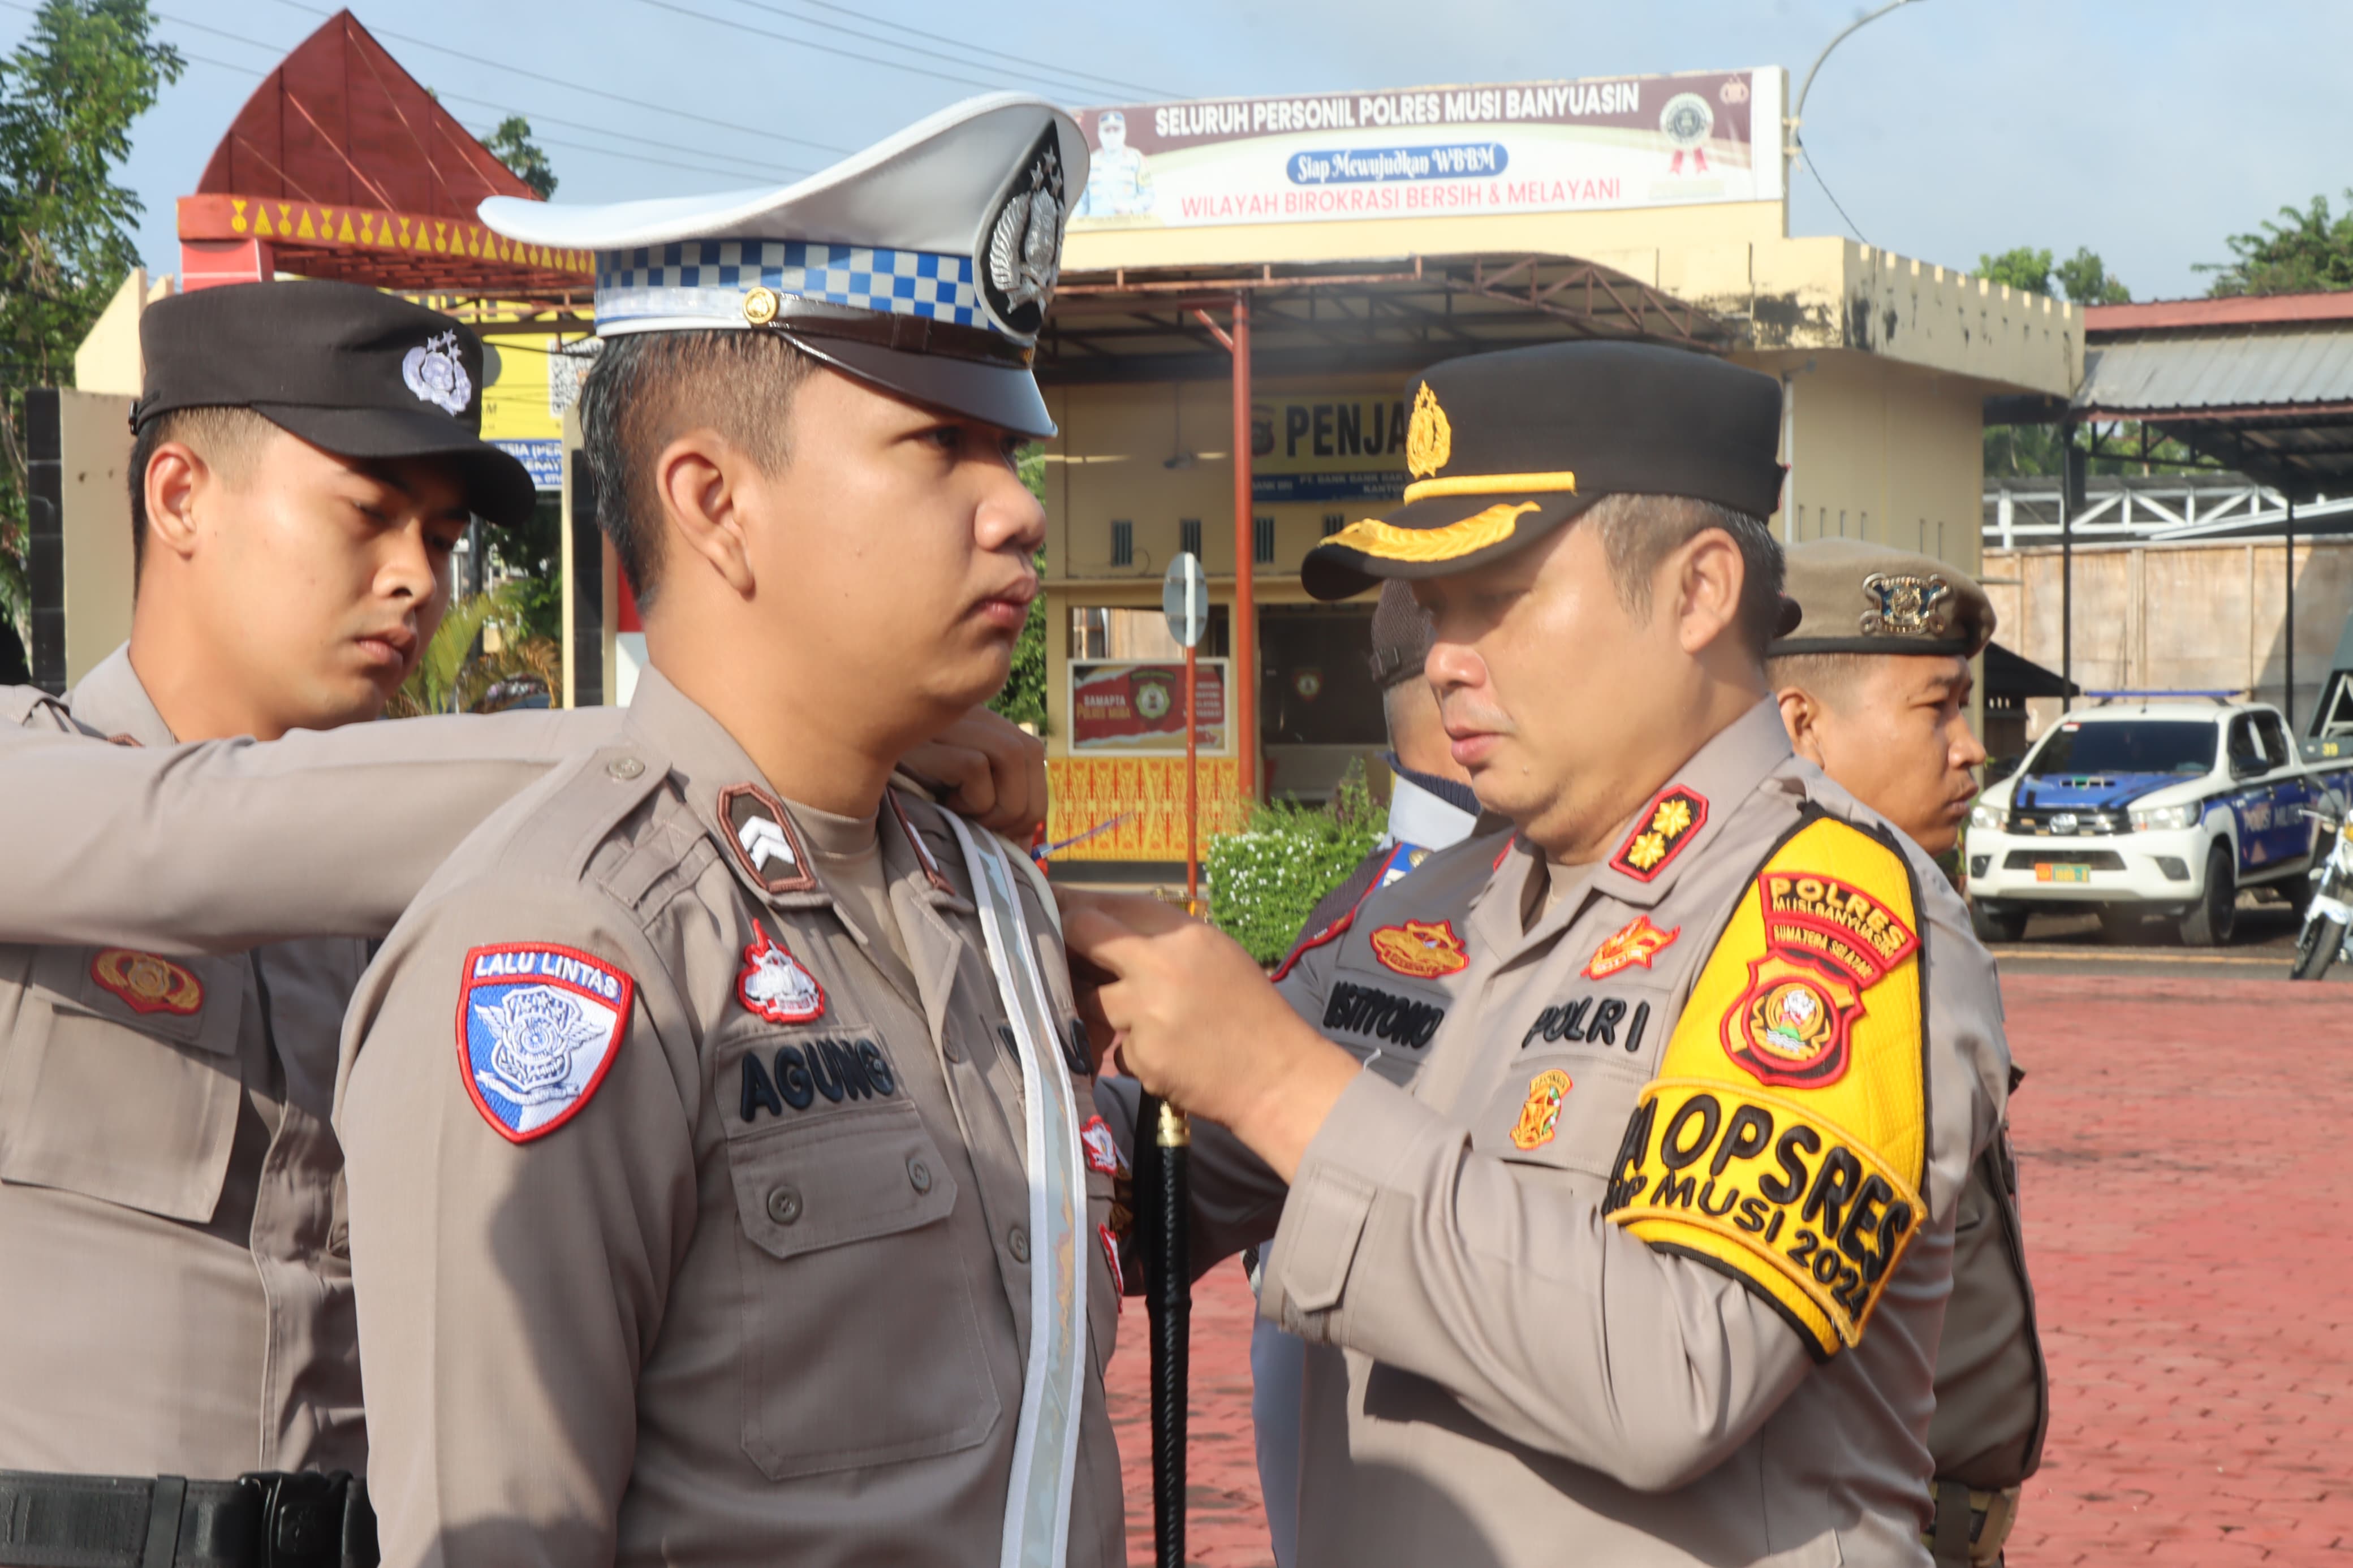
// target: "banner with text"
[[1143, 799], [1540, 146], [1117, 705], [1326, 447]]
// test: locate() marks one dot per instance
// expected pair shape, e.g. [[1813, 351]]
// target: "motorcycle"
[[2328, 930]]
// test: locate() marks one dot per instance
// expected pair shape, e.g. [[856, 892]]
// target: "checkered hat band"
[[708, 279]]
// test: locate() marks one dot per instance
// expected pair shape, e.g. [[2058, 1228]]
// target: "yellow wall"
[[1879, 450]]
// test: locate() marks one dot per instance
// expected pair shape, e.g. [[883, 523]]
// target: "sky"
[[2147, 129]]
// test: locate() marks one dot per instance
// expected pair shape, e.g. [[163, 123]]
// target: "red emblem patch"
[[1659, 833], [147, 984], [1423, 950], [1826, 942], [1103, 1149], [776, 985], [1631, 945], [1111, 1256]]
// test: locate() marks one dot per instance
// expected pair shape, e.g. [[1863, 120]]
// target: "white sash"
[[1046, 1441]]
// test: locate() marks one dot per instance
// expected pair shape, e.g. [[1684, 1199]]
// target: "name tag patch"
[[837, 1070], [1589, 1018], [537, 1029], [1382, 1016]]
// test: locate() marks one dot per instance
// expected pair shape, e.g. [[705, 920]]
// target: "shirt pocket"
[[861, 1346], [121, 1081]]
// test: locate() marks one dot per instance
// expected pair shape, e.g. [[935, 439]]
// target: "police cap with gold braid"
[[1502, 449]]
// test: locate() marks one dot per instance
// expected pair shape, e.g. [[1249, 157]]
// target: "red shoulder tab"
[[1659, 833], [1314, 940]]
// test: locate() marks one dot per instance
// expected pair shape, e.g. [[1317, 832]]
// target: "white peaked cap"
[[923, 264]]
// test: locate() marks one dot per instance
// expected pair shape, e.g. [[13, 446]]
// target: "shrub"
[[1264, 882]]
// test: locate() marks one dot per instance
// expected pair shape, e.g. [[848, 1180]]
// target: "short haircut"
[[1640, 532], [1828, 677], [229, 440], [647, 389]]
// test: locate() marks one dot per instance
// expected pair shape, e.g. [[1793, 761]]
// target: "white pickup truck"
[[2145, 808]]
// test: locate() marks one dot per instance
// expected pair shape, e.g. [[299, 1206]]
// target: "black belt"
[[270, 1520]]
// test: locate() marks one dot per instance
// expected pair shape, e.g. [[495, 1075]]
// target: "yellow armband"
[[1786, 1135]]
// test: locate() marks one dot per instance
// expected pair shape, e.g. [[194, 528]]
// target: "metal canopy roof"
[[2263, 386], [1157, 324]]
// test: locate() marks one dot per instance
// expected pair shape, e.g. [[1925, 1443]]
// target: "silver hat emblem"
[[1025, 242], [436, 374]]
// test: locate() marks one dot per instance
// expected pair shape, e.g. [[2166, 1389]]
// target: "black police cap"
[[350, 370], [1503, 448]]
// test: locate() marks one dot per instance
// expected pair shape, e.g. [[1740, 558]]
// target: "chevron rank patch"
[[761, 833], [1785, 1140], [537, 1029]]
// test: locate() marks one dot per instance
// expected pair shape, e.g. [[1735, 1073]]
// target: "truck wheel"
[[2317, 948], [1997, 922], [2215, 915]]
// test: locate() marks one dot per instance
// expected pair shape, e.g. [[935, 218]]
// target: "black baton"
[[1165, 1196]]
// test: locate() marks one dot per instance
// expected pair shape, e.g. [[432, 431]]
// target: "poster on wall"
[[1122, 705], [1510, 147]]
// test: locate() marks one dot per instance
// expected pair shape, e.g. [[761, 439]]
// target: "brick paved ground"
[[2181, 1142]]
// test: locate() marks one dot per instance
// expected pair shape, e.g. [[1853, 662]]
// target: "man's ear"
[[700, 476], [1705, 577], [1801, 715], [176, 474]]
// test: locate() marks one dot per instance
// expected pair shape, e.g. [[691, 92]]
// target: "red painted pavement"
[[2181, 1152]]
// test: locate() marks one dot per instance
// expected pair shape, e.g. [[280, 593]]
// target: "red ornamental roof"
[[347, 168]]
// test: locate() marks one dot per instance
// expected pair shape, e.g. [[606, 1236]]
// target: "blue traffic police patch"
[[537, 1027]]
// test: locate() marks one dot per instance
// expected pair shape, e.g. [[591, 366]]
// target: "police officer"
[[1643, 1262], [1431, 806], [136, 1082], [1873, 688], [177, 1295], [716, 1181]]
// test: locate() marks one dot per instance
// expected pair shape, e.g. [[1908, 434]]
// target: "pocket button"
[[784, 1205], [919, 1175], [1020, 1242]]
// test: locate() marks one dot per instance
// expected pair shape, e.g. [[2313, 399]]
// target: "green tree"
[[2019, 269], [1265, 881], [68, 94], [2310, 252], [2082, 278], [511, 144], [1023, 700]]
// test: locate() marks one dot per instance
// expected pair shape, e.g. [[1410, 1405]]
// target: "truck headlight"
[[2163, 819], [1985, 818]]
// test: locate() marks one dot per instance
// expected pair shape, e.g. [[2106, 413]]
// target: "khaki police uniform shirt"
[[216, 846], [763, 1295], [177, 1295], [177, 1285], [1501, 1373]]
